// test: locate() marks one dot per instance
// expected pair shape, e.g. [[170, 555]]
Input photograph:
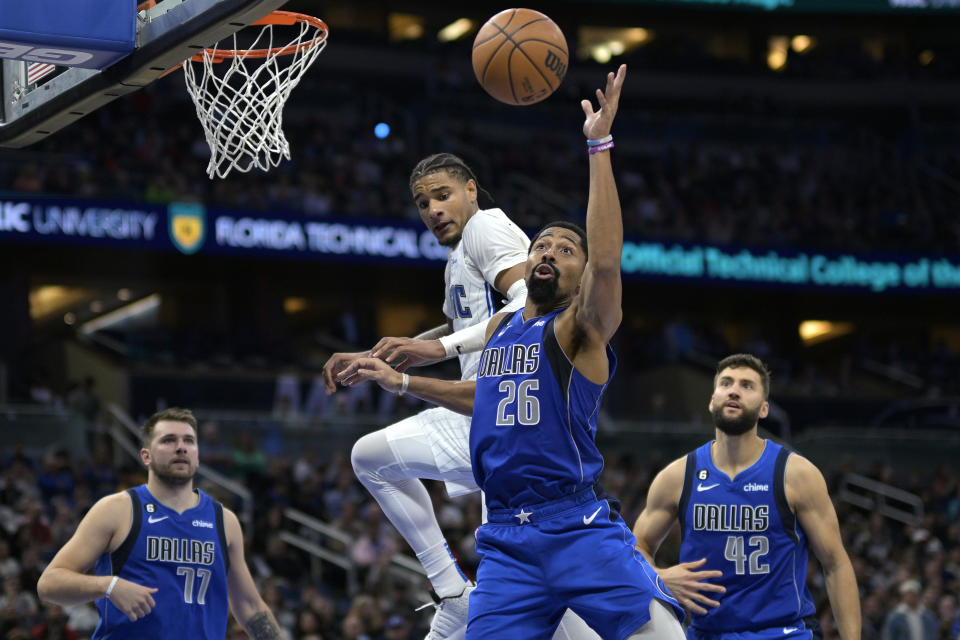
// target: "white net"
[[240, 93]]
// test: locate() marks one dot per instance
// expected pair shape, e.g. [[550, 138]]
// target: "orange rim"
[[284, 18]]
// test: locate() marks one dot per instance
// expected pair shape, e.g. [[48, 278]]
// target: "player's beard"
[[542, 291], [174, 479], [736, 426]]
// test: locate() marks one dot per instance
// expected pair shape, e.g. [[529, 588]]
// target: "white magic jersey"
[[491, 242]]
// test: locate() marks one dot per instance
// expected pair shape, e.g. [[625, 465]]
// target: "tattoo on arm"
[[262, 626]]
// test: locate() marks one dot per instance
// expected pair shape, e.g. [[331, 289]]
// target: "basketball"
[[520, 56]]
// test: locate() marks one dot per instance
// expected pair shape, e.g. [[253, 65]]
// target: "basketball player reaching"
[[753, 510], [551, 542], [168, 557], [487, 255]]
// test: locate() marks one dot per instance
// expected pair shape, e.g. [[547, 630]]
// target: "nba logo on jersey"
[[188, 226]]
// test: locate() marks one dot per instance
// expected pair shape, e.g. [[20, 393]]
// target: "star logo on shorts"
[[524, 515]]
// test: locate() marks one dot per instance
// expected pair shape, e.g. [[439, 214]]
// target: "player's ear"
[[145, 456], [764, 409], [471, 187]]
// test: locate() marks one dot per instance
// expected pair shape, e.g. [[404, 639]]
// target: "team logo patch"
[[703, 474], [150, 507], [188, 226]]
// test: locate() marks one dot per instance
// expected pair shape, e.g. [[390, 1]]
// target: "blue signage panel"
[[191, 228], [785, 268]]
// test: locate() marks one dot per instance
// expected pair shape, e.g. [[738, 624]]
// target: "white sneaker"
[[450, 620]]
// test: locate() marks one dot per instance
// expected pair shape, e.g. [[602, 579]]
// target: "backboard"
[[37, 102]]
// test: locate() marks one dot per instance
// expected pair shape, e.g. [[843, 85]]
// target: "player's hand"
[[335, 364], [375, 369], [134, 600], [598, 123], [402, 353], [687, 585]]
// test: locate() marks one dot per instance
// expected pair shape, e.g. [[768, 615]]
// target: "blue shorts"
[[806, 629], [572, 553]]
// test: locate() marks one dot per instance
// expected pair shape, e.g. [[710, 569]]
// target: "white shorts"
[[447, 434]]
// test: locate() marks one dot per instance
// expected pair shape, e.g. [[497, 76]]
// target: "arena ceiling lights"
[[405, 26], [456, 30], [603, 43], [816, 331]]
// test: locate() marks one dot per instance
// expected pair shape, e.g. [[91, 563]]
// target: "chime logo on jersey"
[[731, 517], [509, 360], [181, 550]]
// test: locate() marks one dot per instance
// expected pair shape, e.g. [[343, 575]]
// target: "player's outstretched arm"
[[245, 602], [684, 580], [599, 307], [455, 395], [65, 582], [807, 494]]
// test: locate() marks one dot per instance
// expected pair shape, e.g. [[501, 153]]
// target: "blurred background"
[[789, 172]]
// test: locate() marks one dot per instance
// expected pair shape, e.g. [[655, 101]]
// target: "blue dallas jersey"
[[745, 528], [532, 437], [185, 557]]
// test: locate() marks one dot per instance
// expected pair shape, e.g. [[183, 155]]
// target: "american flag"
[[37, 70]]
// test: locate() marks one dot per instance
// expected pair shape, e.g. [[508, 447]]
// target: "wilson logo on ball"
[[555, 64]]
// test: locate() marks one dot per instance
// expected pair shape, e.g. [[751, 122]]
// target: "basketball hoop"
[[241, 108]]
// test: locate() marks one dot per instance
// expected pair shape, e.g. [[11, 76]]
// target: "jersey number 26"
[[527, 410]]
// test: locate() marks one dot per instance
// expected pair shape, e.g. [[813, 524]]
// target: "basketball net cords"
[[242, 110]]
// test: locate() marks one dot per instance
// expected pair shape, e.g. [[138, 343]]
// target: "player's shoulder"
[[674, 472], [113, 508], [486, 220], [667, 486], [231, 524], [796, 463], [800, 470], [677, 468]]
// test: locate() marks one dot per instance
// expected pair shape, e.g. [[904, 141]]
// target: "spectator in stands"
[[307, 623], [9, 566], [54, 625], [946, 615], [398, 628], [22, 602], [910, 620], [282, 562]]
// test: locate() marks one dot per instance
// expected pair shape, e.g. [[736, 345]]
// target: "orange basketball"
[[520, 56]]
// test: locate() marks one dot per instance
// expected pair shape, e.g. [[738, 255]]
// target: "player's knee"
[[369, 455], [360, 455]]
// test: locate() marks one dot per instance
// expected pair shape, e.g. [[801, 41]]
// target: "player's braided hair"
[[746, 360], [449, 163]]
